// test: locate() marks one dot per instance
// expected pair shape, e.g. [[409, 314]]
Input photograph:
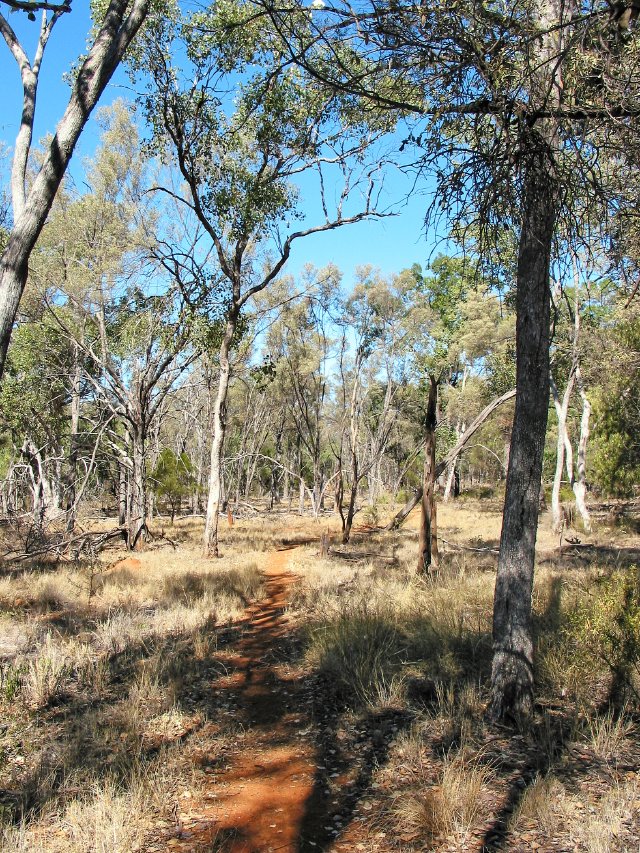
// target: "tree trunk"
[[563, 447], [286, 493], [354, 428], [137, 522], [316, 492], [339, 494], [120, 26], [214, 501], [453, 454], [351, 509], [72, 474], [36, 475], [580, 483], [453, 479], [428, 542], [512, 670], [122, 494], [274, 490]]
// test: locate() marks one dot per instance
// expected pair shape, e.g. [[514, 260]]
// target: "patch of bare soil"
[[258, 798], [301, 774], [290, 780]]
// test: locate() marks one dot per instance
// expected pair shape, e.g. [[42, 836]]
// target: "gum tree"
[[511, 108], [240, 158], [120, 21]]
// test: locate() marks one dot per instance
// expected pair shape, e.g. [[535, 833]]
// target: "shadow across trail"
[[289, 784]]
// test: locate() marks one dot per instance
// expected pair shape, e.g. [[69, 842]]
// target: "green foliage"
[[173, 477], [12, 677], [162, 15], [606, 626], [34, 390], [263, 374], [501, 367], [616, 408]]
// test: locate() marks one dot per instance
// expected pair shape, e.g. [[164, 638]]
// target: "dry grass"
[[451, 807], [541, 805], [610, 735], [119, 646], [107, 818], [602, 831], [99, 667], [370, 623]]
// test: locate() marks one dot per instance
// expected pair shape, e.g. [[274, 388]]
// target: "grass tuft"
[[359, 652], [451, 808]]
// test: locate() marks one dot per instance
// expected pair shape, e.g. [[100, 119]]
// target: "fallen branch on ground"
[[68, 549], [468, 547]]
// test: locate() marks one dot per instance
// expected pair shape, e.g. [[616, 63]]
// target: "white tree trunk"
[[214, 500], [563, 447], [111, 42], [137, 496], [451, 473], [580, 483]]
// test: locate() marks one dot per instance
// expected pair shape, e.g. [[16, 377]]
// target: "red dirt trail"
[[263, 799]]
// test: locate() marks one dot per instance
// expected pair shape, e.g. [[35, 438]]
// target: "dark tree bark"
[[351, 509], [399, 519], [512, 671], [428, 543]]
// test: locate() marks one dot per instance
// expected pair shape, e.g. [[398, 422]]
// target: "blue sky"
[[390, 244]]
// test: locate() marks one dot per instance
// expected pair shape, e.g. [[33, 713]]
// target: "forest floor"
[[277, 700]]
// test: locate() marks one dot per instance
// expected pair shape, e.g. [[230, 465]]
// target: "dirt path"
[[262, 800]]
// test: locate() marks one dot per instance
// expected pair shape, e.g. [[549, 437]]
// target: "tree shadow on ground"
[[331, 808], [583, 556], [539, 748]]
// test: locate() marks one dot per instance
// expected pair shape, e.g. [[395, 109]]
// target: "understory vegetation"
[[101, 668], [111, 724], [389, 644], [295, 508]]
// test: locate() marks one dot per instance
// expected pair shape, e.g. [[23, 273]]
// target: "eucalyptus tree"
[[90, 244], [302, 344], [614, 390], [513, 106], [117, 24], [372, 370], [240, 158], [435, 326], [254, 424], [141, 347], [127, 318], [568, 356], [34, 402]]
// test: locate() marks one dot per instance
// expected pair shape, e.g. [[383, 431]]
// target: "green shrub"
[[12, 679], [606, 625], [371, 515]]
